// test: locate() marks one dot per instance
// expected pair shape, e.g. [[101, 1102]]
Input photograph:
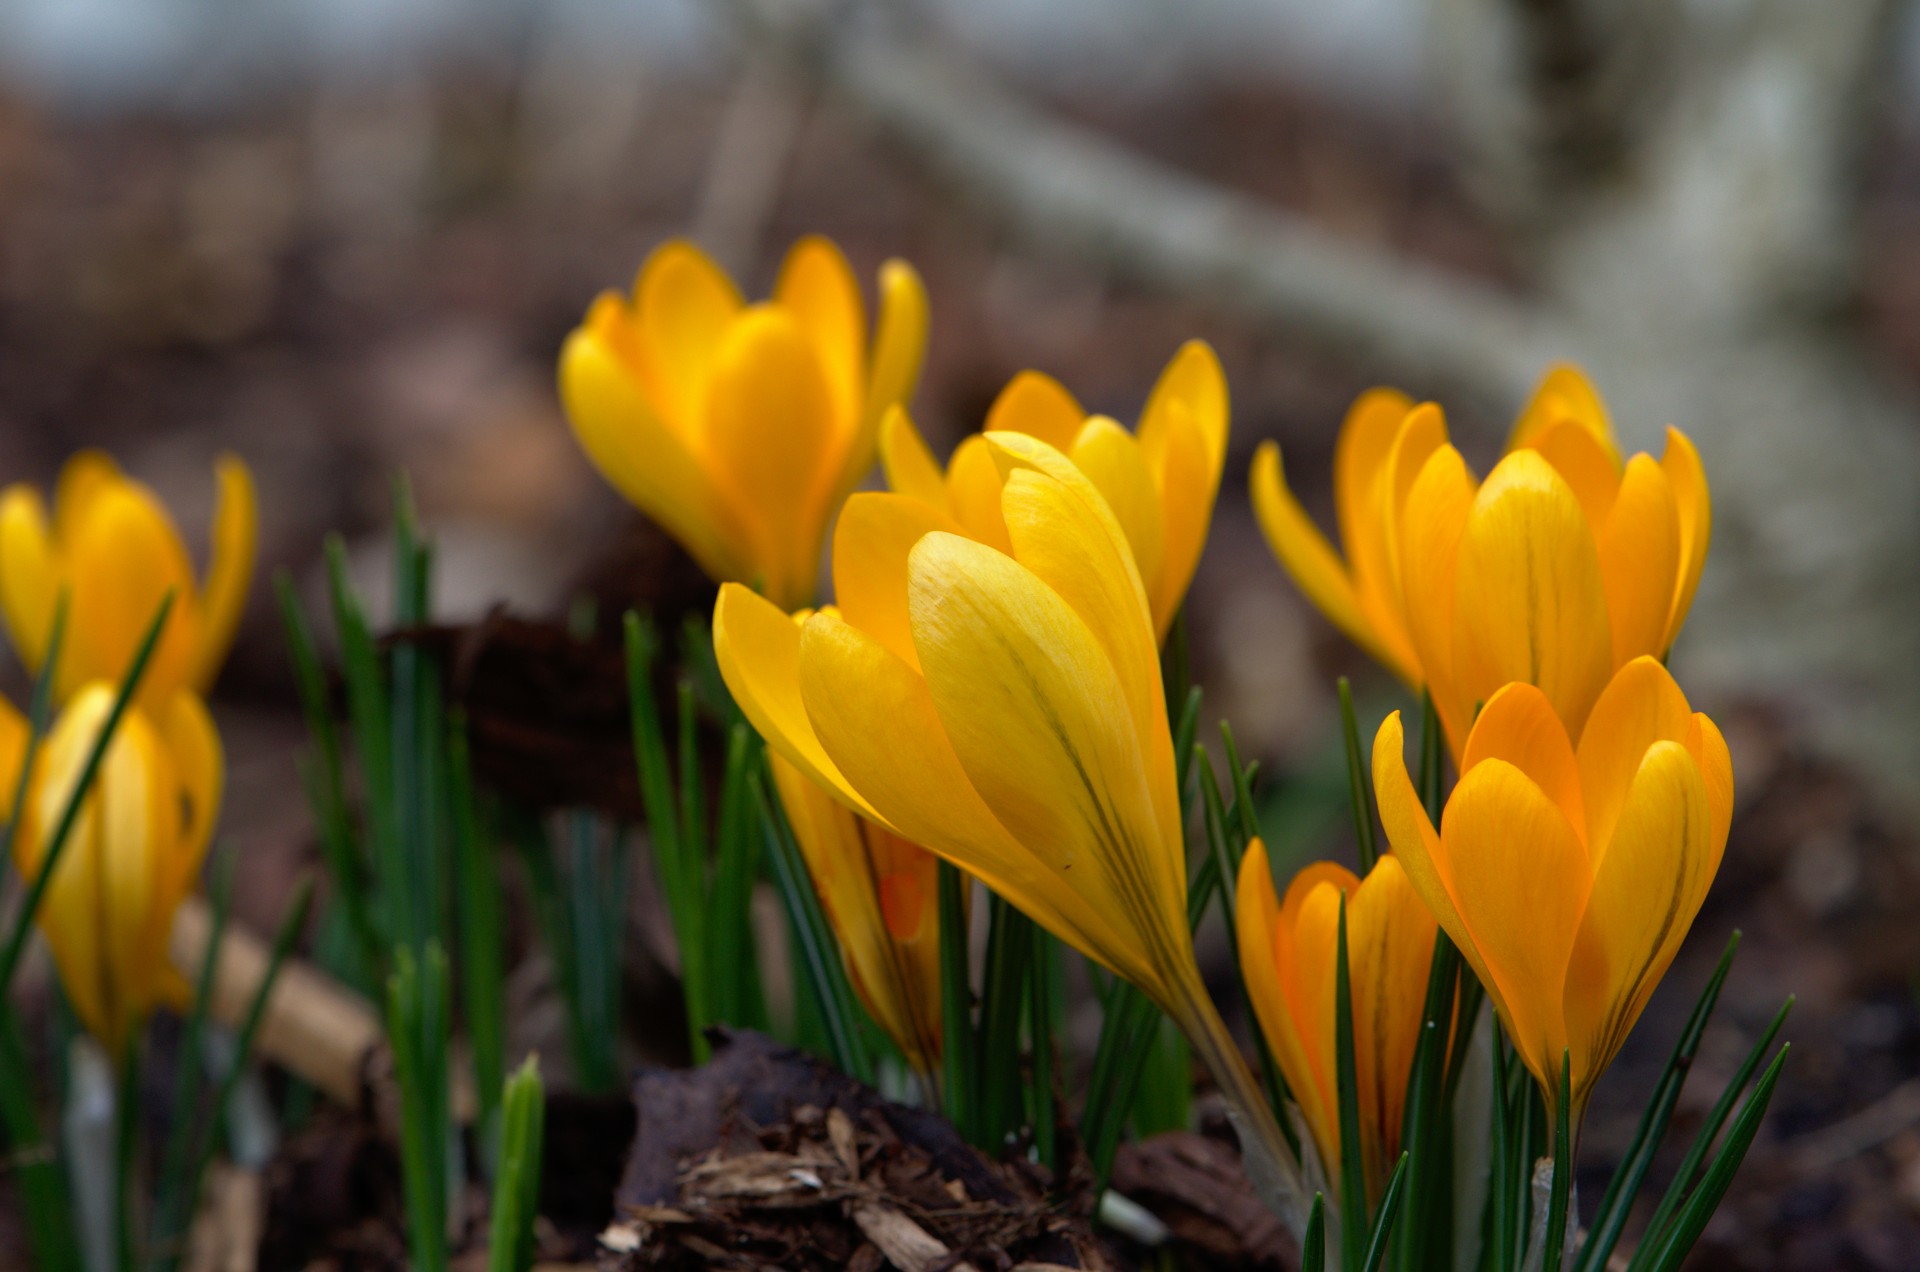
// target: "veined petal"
[[1639, 546], [236, 522], [1360, 458], [1431, 524], [878, 721], [1530, 603], [29, 573], [1310, 934], [1039, 406], [770, 439], [1390, 936], [818, 287], [1695, 506], [758, 648], [1186, 471], [124, 559], [1310, 559], [899, 340], [870, 546], [1518, 725], [1114, 462], [647, 462], [1422, 432], [684, 305], [1709, 750], [1520, 880], [1645, 894], [909, 466], [973, 492], [1565, 393], [1585, 464], [1641, 705]]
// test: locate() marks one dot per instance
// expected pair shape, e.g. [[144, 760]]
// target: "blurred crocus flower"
[[132, 855], [881, 896], [741, 428], [1567, 875], [111, 548], [1160, 481], [1004, 709], [1288, 953], [1563, 566]]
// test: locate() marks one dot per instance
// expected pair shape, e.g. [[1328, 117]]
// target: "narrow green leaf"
[[482, 940], [1560, 1192], [1353, 1174], [1426, 1127], [1501, 1190], [1043, 992], [1242, 775], [1313, 1246], [1432, 748], [959, 1086], [516, 1186], [1186, 728], [1358, 786], [417, 1011], [730, 932], [34, 1165], [126, 1152], [1383, 1222], [1010, 940]]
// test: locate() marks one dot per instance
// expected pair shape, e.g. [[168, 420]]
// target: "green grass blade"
[[1432, 769], [1243, 805], [1359, 786], [1043, 993], [482, 927], [1010, 939], [1692, 1219], [732, 966], [516, 1186], [417, 1011], [1501, 1191], [1426, 1127], [1353, 1172], [1186, 728], [1560, 1192], [959, 1086], [592, 920], [1382, 1237], [1313, 1246]]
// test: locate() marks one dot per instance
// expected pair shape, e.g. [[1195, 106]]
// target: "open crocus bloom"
[[1564, 565], [133, 853], [881, 895], [1160, 482], [1004, 709], [740, 428], [1568, 876], [1288, 956], [110, 546]]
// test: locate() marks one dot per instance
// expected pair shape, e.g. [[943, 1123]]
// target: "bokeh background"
[[345, 240]]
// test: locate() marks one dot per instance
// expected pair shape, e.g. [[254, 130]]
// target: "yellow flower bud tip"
[[741, 428], [1288, 956], [132, 856], [1563, 566], [1568, 875], [1159, 481], [109, 546]]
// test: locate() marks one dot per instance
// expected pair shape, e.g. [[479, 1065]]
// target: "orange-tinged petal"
[[1565, 393], [1519, 877], [1640, 560], [1709, 750], [1039, 406], [1645, 895], [758, 647], [199, 766], [1518, 725], [1530, 603], [899, 340], [1359, 457], [1422, 432], [1695, 506], [1431, 524], [1585, 464], [1114, 462], [973, 492], [909, 466], [124, 559], [82, 478], [684, 305], [13, 753], [818, 286], [236, 521], [1390, 938], [1308, 557], [870, 546], [1641, 705], [770, 437], [1194, 384], [29, 573]]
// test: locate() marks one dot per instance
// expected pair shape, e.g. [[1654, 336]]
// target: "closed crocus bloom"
[[740, 428], [881, 896], [111, 548], [1004, 709], [1160, 481], [1569, 875], [1288, 958], [132, 856], [1564, 565]]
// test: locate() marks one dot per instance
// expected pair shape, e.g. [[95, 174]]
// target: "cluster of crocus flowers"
[[1568, 874], [740, 428], [109, 546], [1004, 709], [1288, 959], [1159, 482], [1562, 566]]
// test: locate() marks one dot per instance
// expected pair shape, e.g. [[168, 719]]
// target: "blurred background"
[[346, 239]]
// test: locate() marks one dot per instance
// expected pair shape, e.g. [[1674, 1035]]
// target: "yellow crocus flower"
[[1288, 953], [110, 546], [1160, 481], [740, 428], [881, 894], [1568, 875], [1563, 566], [1004, 709], [132, 855]]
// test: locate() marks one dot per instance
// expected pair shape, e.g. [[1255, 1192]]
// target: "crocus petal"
[[1518, 725], [124, 559], [236, 522], [1640, 706], [684, 305], [1645, 895], [13, 753], [1640, 560], [1584, 464], [870, 546], [1265, 949], [199, 766], [1695, 506], [1530, 603], [1359, 457], [899, 340], [758, 648], [1039, 406], [1422, 432], [973, 492], [29, 573], [779, 478], [1565, 393], [1390, 938], [1114, 462], [1709, 750], [82, 478], [1307, 555], [642, 458], [1194, 382], [1187, 472], [1431, 524], [1519, 877], [818, 286], [909, 466]]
